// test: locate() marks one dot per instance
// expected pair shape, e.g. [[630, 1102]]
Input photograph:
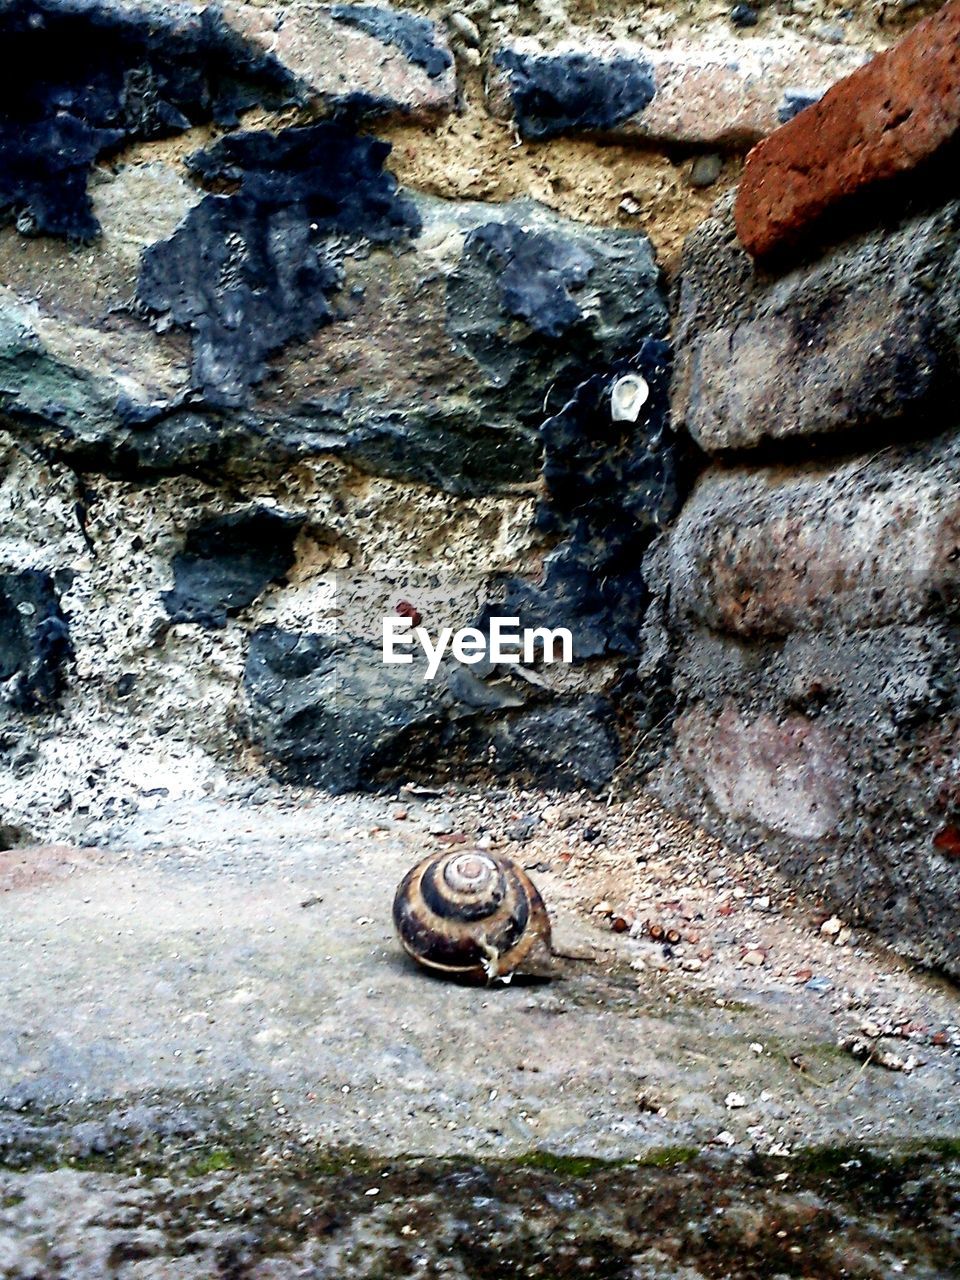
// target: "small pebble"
[[523, 828], [705, 170], [819, 985], [465, 28], [744, 15]]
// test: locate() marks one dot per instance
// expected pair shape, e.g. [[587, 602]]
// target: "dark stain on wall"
[[249, 272], [610, 487], [554, 94], [413, 36], [81, 78], [34, 641], [539, 274], [227, 562]]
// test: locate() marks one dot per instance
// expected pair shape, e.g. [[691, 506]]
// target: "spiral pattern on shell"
[[470, 915]]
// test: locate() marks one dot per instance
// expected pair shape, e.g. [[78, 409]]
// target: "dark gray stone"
[[609, 487], [744, 15], [552, 94], [856, 342], [794, 101], [330, 713], [250, 272], [705, 170], [227, 562], [34, 641]]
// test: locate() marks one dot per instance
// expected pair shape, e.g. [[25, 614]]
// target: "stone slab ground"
[[208, 1015]]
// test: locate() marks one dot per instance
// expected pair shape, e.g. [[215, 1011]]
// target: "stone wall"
[[256, 392], [309, 313], [807, 609]]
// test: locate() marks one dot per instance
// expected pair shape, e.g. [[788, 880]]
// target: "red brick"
[[879, 123]]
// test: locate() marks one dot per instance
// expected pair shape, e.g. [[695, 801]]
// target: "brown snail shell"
[[471, 915]]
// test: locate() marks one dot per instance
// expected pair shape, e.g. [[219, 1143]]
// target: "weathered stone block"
[[808, 620], [863, 338], [329, 713], [319, 309], [724, 94], [357, 58], [864, 543], [884, 121], [834, 755], [227, 562]]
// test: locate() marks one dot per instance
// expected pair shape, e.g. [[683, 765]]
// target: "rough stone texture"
[[812, 616], [152, 702], [857, 342], [34, 640], [882, 122], [86, 77], [329, 713], [763, 554], [609, 487], [357, 59], [226, 563], [500, 304], [306, 308], [250, 272], [724, 94]]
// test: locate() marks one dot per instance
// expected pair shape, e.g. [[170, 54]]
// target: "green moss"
[[668, 1157], [214, 1161], [567, 1166], [862, 1163], [587, 1166]]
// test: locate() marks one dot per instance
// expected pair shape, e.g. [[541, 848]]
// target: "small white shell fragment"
[[628, 395]]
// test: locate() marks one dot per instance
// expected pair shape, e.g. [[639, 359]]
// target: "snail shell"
[[470, 915], [628, 395]]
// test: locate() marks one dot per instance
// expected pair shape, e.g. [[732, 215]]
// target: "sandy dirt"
[[475, 157]]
